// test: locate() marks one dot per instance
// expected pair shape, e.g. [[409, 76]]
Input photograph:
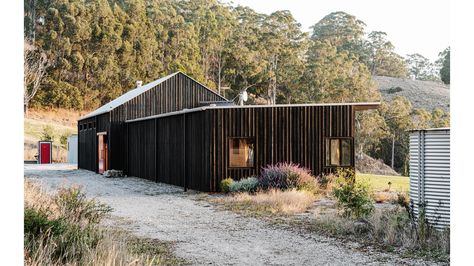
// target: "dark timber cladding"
[[193, 147], [171, 93]]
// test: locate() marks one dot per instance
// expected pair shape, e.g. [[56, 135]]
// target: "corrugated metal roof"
[[126, 97], [363, 106]]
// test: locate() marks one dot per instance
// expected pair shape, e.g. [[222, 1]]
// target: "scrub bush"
[[287, 176], [47, 133], [225, 184], [249, 184], [354, 197]]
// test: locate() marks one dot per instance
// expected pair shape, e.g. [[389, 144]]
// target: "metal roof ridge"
[[202, 108]]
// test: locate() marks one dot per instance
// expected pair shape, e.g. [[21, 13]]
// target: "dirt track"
[[202, 233]]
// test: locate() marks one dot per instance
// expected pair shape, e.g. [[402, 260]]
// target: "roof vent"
[[139, 83]]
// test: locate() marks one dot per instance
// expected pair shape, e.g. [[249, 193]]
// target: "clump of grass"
[[64, 228], [273, 201], [390, 229]]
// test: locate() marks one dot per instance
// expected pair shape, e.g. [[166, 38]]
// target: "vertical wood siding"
[[158, 151], [281, 134], [174, 94]]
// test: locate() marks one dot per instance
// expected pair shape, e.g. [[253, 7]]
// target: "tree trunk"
[[393, 150]]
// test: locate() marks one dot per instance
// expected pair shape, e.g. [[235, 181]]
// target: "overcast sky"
[[413, 26]]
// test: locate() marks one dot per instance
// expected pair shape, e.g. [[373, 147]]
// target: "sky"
[[413, 26]]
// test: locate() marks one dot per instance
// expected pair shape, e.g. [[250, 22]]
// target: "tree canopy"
[[97, 50]]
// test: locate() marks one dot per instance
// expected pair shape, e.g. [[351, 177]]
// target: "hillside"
[[422, 94], [63, 122]]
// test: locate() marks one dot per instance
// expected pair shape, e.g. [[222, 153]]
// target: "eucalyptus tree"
[[381, 57]]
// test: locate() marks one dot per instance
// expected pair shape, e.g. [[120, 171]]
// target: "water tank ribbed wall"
[[430, 174]]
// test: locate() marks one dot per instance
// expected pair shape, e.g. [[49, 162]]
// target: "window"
[[90, 125], [241, 152], [338, 151], [80, 127]]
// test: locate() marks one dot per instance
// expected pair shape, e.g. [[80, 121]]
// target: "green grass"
[[380, 182]]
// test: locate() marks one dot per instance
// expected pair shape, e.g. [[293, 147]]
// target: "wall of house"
[[157, 150], [87, 140], [174, 94], [281, 134]]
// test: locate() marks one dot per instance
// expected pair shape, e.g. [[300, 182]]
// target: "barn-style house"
[[177, 131]]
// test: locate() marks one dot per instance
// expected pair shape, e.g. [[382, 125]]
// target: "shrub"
[[286, 176], [63, 138], [225, 184], [66, 230], [354, 197], [308, 183], [326, 183], [48, 133], [249, 184], [36, 222]]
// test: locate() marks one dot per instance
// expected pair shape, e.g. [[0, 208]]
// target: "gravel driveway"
[[202, 233]]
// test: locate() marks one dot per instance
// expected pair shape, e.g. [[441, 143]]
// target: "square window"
[[241, 152], [339, 151]]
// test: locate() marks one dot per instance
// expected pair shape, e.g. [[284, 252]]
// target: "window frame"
[[327, 148], [253, 139]]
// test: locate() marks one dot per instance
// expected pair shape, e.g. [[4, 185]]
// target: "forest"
[[80, 54]]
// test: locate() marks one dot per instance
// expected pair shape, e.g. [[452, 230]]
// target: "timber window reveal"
[[338, 151], [241, 152]]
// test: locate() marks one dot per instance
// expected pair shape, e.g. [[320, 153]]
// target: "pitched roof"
[[126, 97]]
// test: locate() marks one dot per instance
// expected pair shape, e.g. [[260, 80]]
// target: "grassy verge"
[[390, 229], [380, 182], [268, 202], [64, 229]]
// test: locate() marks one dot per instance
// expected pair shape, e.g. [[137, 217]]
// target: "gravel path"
[[202, 233]]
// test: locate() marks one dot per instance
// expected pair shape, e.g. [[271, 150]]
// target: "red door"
[[45, 154]]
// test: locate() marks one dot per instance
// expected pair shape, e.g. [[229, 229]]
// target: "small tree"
[[35, 63], [48, 133]]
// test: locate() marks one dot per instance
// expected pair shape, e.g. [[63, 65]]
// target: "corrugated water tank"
[[430, 174]]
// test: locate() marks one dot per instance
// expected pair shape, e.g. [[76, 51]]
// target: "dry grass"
[[388, 229], [58, 116], [270, 202], [385, 197], [64, 122], [80, 219]]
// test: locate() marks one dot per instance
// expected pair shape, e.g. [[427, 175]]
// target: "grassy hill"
[[422, 94], [63, 122]]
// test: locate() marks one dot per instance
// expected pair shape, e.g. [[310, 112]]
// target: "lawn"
[[380, 182]]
